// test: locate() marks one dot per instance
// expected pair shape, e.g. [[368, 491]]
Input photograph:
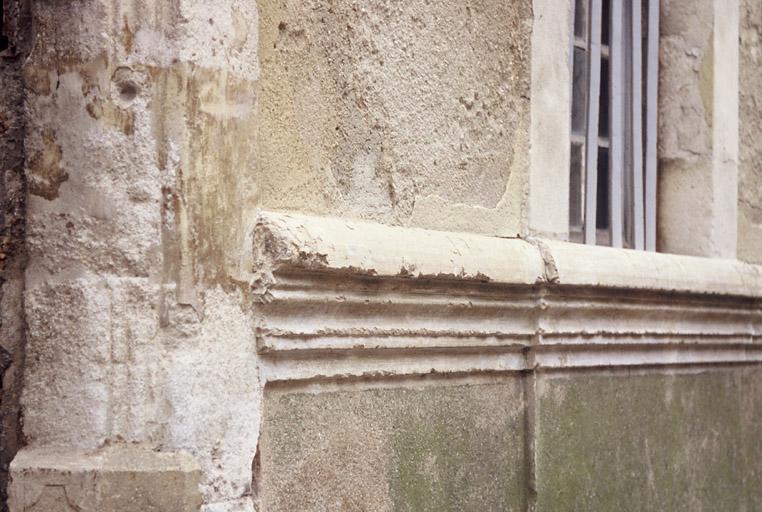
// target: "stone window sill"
[[344, 298], [365, 248]]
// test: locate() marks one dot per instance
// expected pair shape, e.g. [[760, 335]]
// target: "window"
[[615, 55]]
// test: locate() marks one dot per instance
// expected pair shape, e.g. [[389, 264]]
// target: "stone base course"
[[124, 478]]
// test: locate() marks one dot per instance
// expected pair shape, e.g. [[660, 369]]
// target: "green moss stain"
[[439, 447], [654, 442], [622, 442], [459, 459], [426, 472]]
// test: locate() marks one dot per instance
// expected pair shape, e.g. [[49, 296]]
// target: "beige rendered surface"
[[413, 113]]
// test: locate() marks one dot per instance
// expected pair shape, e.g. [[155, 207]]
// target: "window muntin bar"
[[579, 93], [616, 170], [580, 19], [637, 126], [591, 158]]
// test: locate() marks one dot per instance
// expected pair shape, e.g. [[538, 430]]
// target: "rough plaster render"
[[411, 113], [750, 170]]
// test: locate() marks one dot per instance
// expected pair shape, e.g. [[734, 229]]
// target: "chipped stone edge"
[[350, 299], [286, 240]]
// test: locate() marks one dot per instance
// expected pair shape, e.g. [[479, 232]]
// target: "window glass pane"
[[579, 91], [606, 17], [576, 186], [580, 18], [602, 212], [603, 119]]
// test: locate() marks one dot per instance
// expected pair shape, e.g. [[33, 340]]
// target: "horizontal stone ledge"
[[340, 298], [283, 241]]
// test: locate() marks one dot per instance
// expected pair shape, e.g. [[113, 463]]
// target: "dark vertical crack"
[[15, 39], [256, 478]]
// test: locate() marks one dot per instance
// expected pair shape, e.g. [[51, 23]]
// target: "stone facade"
[[128, 477], [309, 255], [698, 128], [360, 113]]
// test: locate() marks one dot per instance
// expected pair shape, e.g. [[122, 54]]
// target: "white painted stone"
[[548, 203], [242, 505], [378, 250], [332, 305], [213, 390], [362, 248]]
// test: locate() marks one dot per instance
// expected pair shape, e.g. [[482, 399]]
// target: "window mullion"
[[617, 121], [593, 99], [637, 127], [652, 84]]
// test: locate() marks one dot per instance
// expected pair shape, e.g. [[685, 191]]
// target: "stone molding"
[[340, 298]]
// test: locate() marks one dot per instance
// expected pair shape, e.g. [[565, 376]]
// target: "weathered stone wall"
[[698, 131], [600, 440], [13, 50], [650, 441], [412, 113], [430, 445], [632, 379], [139, 122], [155, 129], [750, 171], [152, 137]]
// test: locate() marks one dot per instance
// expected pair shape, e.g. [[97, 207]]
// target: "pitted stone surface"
[[403, 112], [650, 441], [425, 448]]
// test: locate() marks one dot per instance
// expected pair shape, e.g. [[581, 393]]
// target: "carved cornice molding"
[[341, 298]]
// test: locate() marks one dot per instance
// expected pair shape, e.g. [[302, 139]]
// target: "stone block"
[[120, 478], [413, 447], [414, 112], [678, 442]]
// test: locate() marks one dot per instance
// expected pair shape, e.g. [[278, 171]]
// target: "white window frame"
[[630, 143]]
